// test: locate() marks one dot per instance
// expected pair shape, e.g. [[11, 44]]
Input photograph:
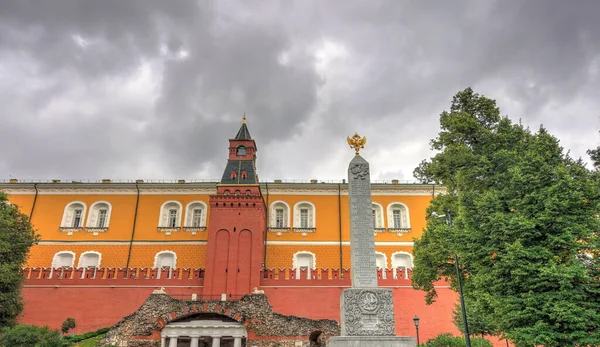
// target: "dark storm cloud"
[[94, 89]]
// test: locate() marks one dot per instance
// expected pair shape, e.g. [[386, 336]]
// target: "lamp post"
[[448, 217], [416, 320]]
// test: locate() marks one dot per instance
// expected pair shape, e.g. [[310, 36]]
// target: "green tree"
[[525, 219], [67, 325], [16, 237], [30, 336]]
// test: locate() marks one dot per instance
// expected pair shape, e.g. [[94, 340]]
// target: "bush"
[[31, 336], [67, 325], [447, 340], [78, 338]]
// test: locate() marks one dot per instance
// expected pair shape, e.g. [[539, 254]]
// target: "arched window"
[[63, 259], [279, 215], [377, 217], [241, 150], [398, 216], [304, 215], [304, 261], [244, 174], [165, 259], [233, 175], [90, 259], [99, 216], [170, 215], [195, 215], [73, 215], [401, 262], [381, 260]]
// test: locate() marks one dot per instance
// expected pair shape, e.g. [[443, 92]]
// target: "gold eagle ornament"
[[357, 142]]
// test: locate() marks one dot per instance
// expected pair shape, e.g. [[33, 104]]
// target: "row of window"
[[99, 215], [302, 260], [92, 259], [304, 215]]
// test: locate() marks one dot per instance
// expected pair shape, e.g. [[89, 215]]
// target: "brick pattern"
[[188, 256]]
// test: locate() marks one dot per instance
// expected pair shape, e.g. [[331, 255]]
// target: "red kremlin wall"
[[100, 299]]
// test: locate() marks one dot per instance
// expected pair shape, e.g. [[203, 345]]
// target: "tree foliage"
[[447, 340], [31, 336], [67, 325], [16, 237], [526, 222]]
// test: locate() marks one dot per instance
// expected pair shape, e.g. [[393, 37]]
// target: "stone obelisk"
[[366, 311]]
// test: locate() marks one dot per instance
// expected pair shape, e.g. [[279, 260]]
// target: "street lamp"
[[448, 217], [416, 320]]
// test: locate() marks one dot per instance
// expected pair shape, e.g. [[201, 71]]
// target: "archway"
[[204, 330]]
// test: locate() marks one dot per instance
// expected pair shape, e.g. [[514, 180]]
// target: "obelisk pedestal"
[[366, 311]]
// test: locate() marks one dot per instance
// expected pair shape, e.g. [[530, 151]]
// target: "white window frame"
[[157, 257], [390, 213], [312, 215], [163, 218], [189, 214], [55, 258], [385, 260], [378, 221], [94, 214], [82, 255], [273, 214], [395, 265], [67, 219], [296, 265]]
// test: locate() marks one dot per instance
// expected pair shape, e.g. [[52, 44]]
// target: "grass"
[[91, 342]]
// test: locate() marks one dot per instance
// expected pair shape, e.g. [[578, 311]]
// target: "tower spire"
[[244, 118]]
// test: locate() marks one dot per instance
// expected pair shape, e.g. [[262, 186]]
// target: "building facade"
[[215, 240]]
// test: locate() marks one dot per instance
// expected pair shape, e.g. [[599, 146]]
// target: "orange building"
[[210, 238]]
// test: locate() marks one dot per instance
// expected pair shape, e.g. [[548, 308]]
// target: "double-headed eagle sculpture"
[[357, 142]]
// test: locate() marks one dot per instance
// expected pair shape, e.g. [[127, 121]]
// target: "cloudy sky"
[[153, 89]]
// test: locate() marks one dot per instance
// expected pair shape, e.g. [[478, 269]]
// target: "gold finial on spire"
[[244, 118], [357, 142]]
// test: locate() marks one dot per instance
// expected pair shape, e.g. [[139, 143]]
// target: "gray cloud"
[[151, 89]]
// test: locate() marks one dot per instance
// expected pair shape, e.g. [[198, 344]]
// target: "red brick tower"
[[237, 224]]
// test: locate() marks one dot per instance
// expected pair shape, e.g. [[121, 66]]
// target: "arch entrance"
[[204, 330]]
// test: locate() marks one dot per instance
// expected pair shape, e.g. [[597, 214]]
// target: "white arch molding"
[[378, 222], [273, 215], [405, 215], [158, 255], [189, 212], [402, 259], [163, 218], [92, 220], [60, 258], [69, 213], [312, 214], [296, 263], [83, 258]]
